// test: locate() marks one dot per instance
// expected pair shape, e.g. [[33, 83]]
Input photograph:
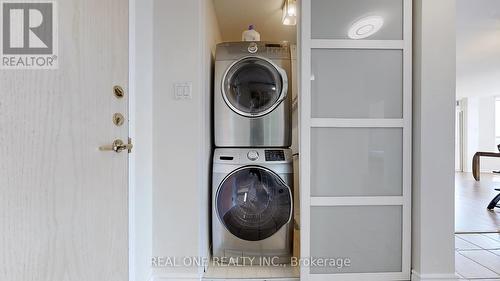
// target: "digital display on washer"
[[275, 155]]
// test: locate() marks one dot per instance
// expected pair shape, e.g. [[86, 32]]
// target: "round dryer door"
[[253, 86], [254, 203]]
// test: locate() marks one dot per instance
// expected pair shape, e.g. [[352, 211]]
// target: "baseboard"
[[415, 276], [253, 279]]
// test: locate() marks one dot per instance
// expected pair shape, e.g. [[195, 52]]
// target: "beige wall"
[[211, 37]]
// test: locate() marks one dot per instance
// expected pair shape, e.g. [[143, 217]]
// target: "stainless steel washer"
[[252, 204], [252, 104]]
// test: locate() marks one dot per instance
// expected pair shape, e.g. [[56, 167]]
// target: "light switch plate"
[[183, 91]]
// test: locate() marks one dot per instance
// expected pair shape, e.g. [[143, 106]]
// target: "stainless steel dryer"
[[252, 104], [252, 204]]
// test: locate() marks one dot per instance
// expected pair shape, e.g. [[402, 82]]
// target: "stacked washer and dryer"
[[252, 166]]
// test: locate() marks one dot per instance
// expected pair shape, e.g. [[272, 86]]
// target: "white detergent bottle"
[[251, 34]]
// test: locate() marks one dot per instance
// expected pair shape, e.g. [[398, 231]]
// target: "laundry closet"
[[302, 139], [254, 191]]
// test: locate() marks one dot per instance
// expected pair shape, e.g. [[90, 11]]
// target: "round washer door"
[[253, 86], [253, 203]]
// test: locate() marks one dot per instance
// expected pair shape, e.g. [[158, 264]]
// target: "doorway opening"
[[477, 227], [253, 81]]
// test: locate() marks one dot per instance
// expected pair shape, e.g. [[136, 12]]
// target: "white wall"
[[433, 148], [185, 36], [478, 48], [480, 131], [141, 132], [177, 138]]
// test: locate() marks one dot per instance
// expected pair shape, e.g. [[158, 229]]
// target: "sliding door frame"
[[307, 123]]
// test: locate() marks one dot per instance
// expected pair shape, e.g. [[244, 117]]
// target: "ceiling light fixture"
[[289, 12], [365, 27]]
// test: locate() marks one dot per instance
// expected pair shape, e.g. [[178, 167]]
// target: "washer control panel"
[[253, 155], [275, 155]]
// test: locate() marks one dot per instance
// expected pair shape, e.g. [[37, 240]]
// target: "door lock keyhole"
[[118, 119]]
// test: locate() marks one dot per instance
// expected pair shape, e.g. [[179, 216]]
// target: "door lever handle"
[[118, 146]]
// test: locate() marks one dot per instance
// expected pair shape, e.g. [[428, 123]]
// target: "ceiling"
[[478, 48], [235, 16]]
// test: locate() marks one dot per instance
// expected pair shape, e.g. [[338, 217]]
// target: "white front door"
[[355, 143], [63, 202]]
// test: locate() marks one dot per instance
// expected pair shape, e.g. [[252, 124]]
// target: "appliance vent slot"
[[226, 158]]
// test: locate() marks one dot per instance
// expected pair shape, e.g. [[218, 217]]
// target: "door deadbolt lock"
[[118, 119], [119, 92], [118, 146]]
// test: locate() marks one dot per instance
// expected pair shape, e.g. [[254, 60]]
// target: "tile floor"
[[285, 273], [477, 256]]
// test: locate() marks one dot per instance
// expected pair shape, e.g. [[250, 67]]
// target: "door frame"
[[305, 45], [459, 137], [140, 131]]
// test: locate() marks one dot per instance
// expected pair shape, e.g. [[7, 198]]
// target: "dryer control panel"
[[277, 50], [238, 50], [275, 155]]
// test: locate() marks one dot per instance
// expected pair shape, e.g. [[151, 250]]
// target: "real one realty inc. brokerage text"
[[249, 261]]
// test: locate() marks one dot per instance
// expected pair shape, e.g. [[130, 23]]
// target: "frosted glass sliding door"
[[331, 19], [374, 248], [357, 83], [358, 162], [355, 143]]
